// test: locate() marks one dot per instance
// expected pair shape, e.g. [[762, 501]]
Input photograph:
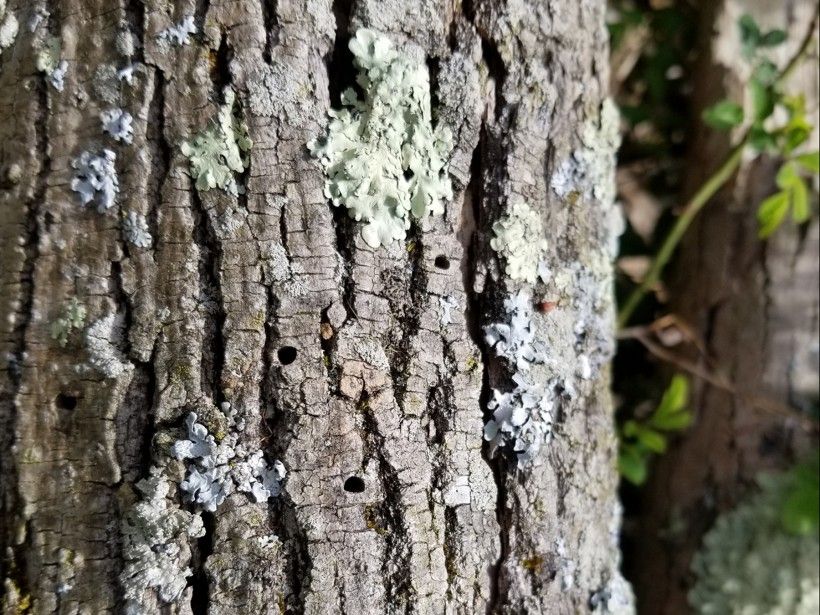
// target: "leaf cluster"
[[641, 439]]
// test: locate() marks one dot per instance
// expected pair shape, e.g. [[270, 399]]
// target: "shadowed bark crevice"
[[271, 23], [390, 512], [161, 154]]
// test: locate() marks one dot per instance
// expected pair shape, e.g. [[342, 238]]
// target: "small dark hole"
[[442, 262], [66, 402], [354, 484], [287, 355], [408, 174]]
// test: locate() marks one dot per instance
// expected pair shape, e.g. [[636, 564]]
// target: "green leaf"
[[771, 213], [675, 397], [800, 513], [810, 162], [761, 140], [630, 429], [787, 175], [765, 72], [772, 38], [723, 115], [633, 465], [749, 34], [800, 201], [676, 421], [652, 440], [763, 99]]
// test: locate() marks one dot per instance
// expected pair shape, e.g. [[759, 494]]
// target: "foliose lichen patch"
[[221, 150], [520, 239], [748, 563], [215, 470], [383, 158]]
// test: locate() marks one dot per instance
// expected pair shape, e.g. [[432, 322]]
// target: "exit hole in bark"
[[442, 262], [66, 402], [354, 484], [287, 355]]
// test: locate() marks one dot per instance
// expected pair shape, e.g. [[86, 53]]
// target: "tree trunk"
[[337, 362], [755, 306]]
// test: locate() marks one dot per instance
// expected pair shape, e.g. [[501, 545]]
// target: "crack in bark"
[[14, 555], [408, 316], [271, 23], [397, 552], [161, 156]]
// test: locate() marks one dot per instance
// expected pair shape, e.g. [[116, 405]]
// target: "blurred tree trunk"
[[755, 306], [342, 366]]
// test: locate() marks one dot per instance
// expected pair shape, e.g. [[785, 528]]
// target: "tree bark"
[[379, 389], [754, 304]]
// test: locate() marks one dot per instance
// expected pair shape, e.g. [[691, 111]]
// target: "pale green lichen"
[[48, 62], [749, 564], [220, 150], [72, 319], [589, 171], [8, 27], [520, 240], [383, 159]]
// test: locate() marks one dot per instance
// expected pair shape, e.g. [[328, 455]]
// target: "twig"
[[763, 403]]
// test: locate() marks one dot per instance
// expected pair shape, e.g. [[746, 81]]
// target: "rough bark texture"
[[755, 305], [392, 397]]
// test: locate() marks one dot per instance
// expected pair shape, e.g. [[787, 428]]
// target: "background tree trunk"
[[392, 397], [754, 304]]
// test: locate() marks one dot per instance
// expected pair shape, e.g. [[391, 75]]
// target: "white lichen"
[[8, 27], [96, 180], [127, 74], [522, 418], [155, 536], [520, 239], [383, 159], [749, 565], [446, 307], [39, 15], [515, 340], [220, 150], [118, 124], [180, 33], [614, 598], [135, 228], [72, 319], [101, 342], [217, 469], [57, 76], [589, 170]]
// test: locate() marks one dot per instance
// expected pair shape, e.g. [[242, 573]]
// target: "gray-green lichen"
[[135, 229], [749, 565], [383, 159], [520, 240], [220, 150], [155, 535], [71, 319], [49, 63], [589, 170]]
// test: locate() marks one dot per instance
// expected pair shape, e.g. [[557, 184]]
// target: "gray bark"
[[756, 307], [441, 526]]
